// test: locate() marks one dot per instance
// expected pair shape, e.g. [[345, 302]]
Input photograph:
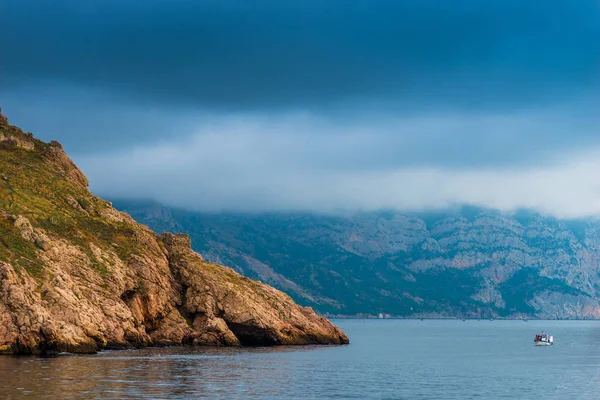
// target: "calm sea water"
[[387, 359]]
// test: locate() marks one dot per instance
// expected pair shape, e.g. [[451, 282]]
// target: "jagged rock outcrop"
[[76, 275], [13, 136], [219, 300]]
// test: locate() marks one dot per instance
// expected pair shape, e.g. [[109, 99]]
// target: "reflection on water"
[[388, 359]]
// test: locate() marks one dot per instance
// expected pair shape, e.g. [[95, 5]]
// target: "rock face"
[[76, 275], [465, 262]]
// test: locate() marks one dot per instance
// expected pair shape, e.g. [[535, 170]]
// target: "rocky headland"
[[77, 275]]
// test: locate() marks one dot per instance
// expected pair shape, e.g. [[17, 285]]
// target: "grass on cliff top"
[[219, 272], [33, 185], [18, 251]]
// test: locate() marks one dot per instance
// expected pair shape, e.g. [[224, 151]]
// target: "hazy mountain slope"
[[467, 262], [77, 275]]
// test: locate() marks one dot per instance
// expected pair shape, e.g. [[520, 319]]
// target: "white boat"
[[543, 340]]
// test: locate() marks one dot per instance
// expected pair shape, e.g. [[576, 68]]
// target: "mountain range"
[[466, 262]]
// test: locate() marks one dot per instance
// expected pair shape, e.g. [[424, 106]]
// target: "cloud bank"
[[248, 163]]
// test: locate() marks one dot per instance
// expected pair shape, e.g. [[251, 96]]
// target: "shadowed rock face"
[[76, 275]]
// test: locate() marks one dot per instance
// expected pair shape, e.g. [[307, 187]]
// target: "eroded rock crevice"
[[250, 335]]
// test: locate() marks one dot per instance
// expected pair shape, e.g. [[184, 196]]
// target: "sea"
[[386, 359]]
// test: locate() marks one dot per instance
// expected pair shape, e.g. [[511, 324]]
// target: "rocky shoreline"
[[78, 276]]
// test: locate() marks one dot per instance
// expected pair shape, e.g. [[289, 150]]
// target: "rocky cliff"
[[465, 262], [76, 275]]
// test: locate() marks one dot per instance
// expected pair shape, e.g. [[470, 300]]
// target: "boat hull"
[[543, 343]]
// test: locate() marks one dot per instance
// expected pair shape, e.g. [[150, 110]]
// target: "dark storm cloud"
[[308, 54]]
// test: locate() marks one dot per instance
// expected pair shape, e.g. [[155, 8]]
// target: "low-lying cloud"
[[299, 162]]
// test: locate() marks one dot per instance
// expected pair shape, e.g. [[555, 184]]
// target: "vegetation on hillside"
[[39, 182]]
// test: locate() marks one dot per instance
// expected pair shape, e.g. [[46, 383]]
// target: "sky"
[[315, 105]]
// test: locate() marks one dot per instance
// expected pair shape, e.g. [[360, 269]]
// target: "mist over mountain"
[[395, 176], [462, 262]]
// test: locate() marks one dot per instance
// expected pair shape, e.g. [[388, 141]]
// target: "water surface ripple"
[[387, 359]]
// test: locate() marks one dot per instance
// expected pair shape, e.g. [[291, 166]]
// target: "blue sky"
[[315, 105]]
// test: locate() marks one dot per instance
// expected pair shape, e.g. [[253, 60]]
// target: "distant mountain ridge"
[[468, 262]]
